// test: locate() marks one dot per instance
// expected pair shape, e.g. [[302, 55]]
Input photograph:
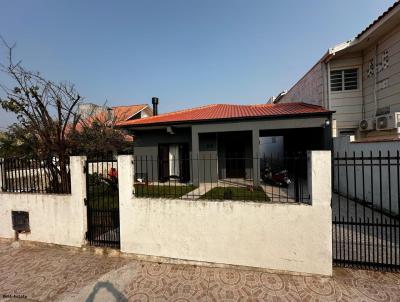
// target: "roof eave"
[[140, 110], [366, 33], [190, 122]]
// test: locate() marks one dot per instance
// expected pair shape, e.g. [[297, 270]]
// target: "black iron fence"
[[268, 179], [102, 200], [35, 175], [365, 206]]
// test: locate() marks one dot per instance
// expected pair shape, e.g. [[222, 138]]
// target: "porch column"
[[195, 158], [256, 156]]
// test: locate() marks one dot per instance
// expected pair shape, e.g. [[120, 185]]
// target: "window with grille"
[[343, 80]]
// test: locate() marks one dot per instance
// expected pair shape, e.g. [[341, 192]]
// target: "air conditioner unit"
[[367, 124], [388, 121]]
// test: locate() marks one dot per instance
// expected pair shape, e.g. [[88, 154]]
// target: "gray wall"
[[243, 138], [309, 89], [208, 158], [373, 192], [146, 148]]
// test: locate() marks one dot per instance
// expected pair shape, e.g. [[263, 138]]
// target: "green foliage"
[[257, 194], [17, 142], [142, 190]]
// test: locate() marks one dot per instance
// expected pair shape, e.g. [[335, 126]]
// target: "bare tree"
[[50, 125], [45, 110]]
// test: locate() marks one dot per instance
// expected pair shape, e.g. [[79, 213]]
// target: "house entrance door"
[[235, 159], [173, 162]]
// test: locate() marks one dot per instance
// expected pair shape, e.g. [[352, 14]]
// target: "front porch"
[[230, 158]]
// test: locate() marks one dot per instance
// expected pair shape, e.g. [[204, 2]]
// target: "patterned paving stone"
[[315, 289], [45, 273], [42, 273]]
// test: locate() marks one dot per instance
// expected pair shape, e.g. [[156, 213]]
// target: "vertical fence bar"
[[372, 208], [390, 206], [364, 203], [355, 204], [381, 204]]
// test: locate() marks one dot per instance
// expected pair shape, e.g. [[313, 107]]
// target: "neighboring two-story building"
[[360, 81]]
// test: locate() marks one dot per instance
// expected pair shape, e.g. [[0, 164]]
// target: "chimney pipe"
[[154, 101]]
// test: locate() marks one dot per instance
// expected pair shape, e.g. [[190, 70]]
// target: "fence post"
[[320, 190], [319, 176], [2, 174], [256, 157], [126, 189], [78, 192], [195, 158]]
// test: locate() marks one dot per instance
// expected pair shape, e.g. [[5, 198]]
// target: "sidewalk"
[[44, 273]]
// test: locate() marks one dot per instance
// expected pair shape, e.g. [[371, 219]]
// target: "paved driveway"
[[46, 273]]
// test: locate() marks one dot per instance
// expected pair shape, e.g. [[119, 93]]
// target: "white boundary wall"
[[59, 219], [347, 144], [289, 237]]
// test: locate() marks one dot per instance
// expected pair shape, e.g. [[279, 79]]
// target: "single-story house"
[[221, 141]]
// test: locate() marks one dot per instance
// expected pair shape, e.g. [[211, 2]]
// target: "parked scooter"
[[277, 178]]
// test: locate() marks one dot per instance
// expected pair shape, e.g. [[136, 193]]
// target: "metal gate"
[[102, 201], [365, 209]]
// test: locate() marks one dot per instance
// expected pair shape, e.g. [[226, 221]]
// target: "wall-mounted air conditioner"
[[388, 121], [367, 124]]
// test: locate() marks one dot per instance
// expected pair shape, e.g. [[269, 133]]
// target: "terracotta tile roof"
[[120, 114], [226, 111], [125, 112]]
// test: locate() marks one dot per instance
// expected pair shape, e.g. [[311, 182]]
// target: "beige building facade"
[[360, 80]]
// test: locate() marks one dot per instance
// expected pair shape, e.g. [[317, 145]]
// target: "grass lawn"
[[142, 190], [236, 193], [102, 197]]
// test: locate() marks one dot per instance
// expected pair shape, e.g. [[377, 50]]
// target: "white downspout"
[[328, 96], [329, 85], [376, 78]]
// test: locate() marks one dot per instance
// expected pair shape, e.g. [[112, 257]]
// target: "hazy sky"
[[186, 52]]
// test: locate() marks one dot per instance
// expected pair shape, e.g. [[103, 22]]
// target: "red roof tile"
[[125, 112], [120, 114], [226, 111]]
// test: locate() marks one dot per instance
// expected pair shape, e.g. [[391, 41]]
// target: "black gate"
[[102, 201], [365, 208]]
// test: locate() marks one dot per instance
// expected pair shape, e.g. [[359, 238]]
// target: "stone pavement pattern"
[[46, 273]]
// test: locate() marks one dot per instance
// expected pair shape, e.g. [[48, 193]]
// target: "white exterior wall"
[[59, 219], [309, 89], [289, 237], [388, 77], [347, 104]]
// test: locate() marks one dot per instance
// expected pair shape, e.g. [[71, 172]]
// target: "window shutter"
[[350, 79], [336, 80], [346, 79]]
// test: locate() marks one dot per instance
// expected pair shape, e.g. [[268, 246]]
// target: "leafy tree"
[[15, 142]]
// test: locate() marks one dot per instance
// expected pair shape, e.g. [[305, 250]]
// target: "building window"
[[346, 79]]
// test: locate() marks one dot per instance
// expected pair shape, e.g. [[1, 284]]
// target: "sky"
[[185, 52]]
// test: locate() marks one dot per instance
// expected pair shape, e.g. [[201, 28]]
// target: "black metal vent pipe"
[[154, 101]]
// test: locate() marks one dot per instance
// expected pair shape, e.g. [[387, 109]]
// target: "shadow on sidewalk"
[[110, 288]]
